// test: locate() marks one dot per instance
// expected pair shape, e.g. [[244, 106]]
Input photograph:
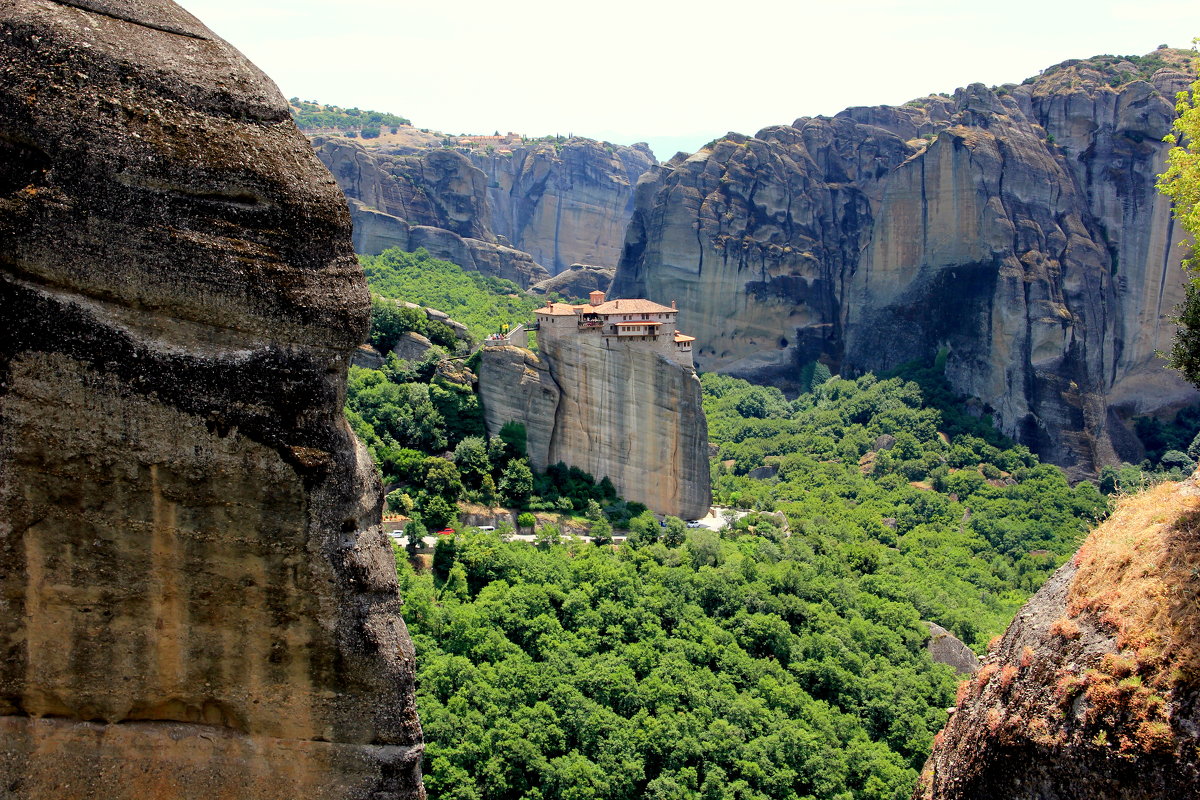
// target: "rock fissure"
[[99, 8]]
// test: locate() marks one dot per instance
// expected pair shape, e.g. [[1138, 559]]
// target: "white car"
[[694, 523]]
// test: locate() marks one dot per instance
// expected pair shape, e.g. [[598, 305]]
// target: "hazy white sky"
[[675, 74]]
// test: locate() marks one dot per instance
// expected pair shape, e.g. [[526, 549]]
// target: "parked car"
[[694, 523], [487, 527], [446, 532]]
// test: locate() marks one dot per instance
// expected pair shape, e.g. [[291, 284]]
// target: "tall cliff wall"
[[1092, 691], [525, 214], [624, 412], [1016, 227], [564, 206], [196, 598]]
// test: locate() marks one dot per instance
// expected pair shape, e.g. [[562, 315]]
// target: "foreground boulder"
[[196, 599], [1093, 690]]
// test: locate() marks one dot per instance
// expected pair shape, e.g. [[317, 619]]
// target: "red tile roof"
[[559, 309], [635, 305]]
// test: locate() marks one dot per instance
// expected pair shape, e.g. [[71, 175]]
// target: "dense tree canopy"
[[781, 658], [867, 461], [726, 668], [481, 302]]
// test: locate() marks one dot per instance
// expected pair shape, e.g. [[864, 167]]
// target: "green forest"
[[782, 657], [481, 302], [313, 116]]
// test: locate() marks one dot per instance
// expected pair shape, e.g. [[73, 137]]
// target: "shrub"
[[414, 532], [601, 531], [516, 484], [1065, 628]]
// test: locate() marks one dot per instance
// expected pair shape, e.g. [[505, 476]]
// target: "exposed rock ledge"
[[577, 280], [946, 648]]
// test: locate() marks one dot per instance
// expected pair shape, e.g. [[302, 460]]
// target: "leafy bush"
[[391, 320], [516, 483], [1159, 437]]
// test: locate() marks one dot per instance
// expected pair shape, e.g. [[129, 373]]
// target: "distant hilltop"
[[505, 205], [312, 117]]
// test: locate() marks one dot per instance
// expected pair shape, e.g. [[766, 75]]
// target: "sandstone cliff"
[[196, 599], [1093, 690], [1016, 227], [523, 213], [623, 412]]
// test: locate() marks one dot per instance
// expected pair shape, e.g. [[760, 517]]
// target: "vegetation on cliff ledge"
[[311, 116], [1114, 70], [481, 302]]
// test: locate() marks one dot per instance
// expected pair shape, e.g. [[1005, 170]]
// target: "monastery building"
[[637, 323]]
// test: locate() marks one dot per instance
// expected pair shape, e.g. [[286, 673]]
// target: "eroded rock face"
[[946, 648], [577, 280], [516, 385], [564, 206], [196, 599], [524, 214], [1092, 691], [626, 413], [1018, 229]]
